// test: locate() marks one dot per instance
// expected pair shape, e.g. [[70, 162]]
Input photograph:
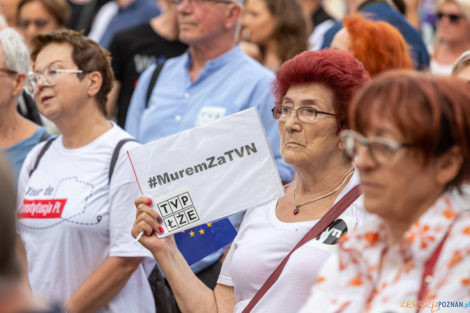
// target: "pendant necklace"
[[298, 206]]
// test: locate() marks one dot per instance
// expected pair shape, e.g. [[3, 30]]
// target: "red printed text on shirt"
[[47, 208]]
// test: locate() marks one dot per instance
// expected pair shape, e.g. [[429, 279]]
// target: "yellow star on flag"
[[201, 231], [191, 234], [209, 224]]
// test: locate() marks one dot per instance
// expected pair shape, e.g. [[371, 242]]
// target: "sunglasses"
[[453, 18]]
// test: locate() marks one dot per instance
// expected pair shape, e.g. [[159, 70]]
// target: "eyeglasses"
[[49, 76], [178, 2], [453, 18], [381, 150], [304, 114], [39, 23]]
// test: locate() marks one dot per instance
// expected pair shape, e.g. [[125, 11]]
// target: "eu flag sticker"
[[198, 242]]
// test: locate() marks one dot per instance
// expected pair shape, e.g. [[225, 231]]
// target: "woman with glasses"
[[452, 34], [41, 16], [410, 142], [76, 192], [312, 94], [18, 135]]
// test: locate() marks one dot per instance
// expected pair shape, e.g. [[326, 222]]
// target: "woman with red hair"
[[378, 45], [312, 92], [409, 137]]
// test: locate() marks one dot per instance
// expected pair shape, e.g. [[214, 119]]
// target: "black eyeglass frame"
[[280, 107]]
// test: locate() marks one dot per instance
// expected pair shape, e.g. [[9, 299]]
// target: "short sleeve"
[[123, 192]]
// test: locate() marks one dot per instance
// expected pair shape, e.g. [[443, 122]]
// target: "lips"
[[45, 98]]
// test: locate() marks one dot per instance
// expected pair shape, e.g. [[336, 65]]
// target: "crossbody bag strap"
[[316, 230], [429, 267]]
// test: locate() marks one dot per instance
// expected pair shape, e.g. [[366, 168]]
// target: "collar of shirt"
[[214, 64]]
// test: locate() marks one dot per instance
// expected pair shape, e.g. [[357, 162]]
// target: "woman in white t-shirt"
[[75, 200], [312, 92]]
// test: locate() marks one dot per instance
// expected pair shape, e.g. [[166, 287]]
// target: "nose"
[[183, 6], [292, 123], [363, 159]]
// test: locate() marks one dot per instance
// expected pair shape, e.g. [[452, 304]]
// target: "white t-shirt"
[[262, 243], [70, 220]]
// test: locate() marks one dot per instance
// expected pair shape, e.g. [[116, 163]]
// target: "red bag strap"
[[429, 268], [316, 230]]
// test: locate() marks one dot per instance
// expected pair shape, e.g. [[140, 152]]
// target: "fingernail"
[[149, 202], [160, 228], [159, 219]]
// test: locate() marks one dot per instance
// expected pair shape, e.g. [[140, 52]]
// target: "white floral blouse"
[[367, 275]]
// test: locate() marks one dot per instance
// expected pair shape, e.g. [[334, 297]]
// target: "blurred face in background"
[[342, 41], [258, 21], [8, 9], [34, 19], [452, 24]]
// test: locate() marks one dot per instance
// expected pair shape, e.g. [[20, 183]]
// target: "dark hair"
[[10, 266], [291, 27], [431, 112], [88, 55], [377, 44], [59, 9], [336, 69]]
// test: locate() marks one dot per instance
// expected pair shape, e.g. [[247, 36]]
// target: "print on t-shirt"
[[68, 201]]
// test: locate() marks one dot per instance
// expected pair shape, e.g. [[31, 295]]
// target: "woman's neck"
[[271, 57], [448, 52], [14, 127], [314, 181], [83, 127]]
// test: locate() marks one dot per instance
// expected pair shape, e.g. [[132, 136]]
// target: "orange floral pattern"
[[375, 276]]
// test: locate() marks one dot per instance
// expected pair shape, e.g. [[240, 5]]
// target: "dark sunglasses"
[[39, 23], [453, 18]]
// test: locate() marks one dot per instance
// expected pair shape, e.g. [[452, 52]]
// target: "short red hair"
[[337, 70], [432, 113], [377, 44]]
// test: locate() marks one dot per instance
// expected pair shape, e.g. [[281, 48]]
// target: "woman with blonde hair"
[[452, 35]]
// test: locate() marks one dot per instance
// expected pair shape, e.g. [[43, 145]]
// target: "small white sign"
[[208, 172]]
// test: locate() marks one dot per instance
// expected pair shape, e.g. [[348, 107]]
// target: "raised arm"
[[191, 294]]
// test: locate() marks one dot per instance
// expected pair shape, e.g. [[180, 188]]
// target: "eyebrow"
[[53, 62], [304, 101]]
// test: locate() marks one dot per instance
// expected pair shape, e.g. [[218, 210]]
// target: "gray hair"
[[462, 62], [16, 53]]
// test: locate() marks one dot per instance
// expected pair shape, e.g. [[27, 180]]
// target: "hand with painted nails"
[[147, 223]]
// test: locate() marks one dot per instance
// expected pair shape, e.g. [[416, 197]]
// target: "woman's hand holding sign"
[[148, 222]]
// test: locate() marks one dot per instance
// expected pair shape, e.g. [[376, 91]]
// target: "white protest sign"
[[208, 172]]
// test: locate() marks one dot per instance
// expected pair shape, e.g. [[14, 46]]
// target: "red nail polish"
[[149, 202], [160, 228]]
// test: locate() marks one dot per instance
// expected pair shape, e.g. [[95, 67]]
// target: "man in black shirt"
[[135, 49]]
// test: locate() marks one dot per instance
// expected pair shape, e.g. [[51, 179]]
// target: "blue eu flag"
[[198, 242]]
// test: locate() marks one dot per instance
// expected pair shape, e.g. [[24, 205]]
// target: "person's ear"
[[95, 80], [233, 13], [18, 84], [448, 166]]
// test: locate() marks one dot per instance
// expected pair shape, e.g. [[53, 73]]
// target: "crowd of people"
[[368, 125]]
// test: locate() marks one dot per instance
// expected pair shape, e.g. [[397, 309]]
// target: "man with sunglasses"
[[380, 10], [211, 80]]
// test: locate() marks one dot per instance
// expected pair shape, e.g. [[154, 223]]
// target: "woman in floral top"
[[410, 143]]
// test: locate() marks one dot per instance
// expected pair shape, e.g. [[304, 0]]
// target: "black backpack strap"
[[153, 81], [116, 155], [41, 154]]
